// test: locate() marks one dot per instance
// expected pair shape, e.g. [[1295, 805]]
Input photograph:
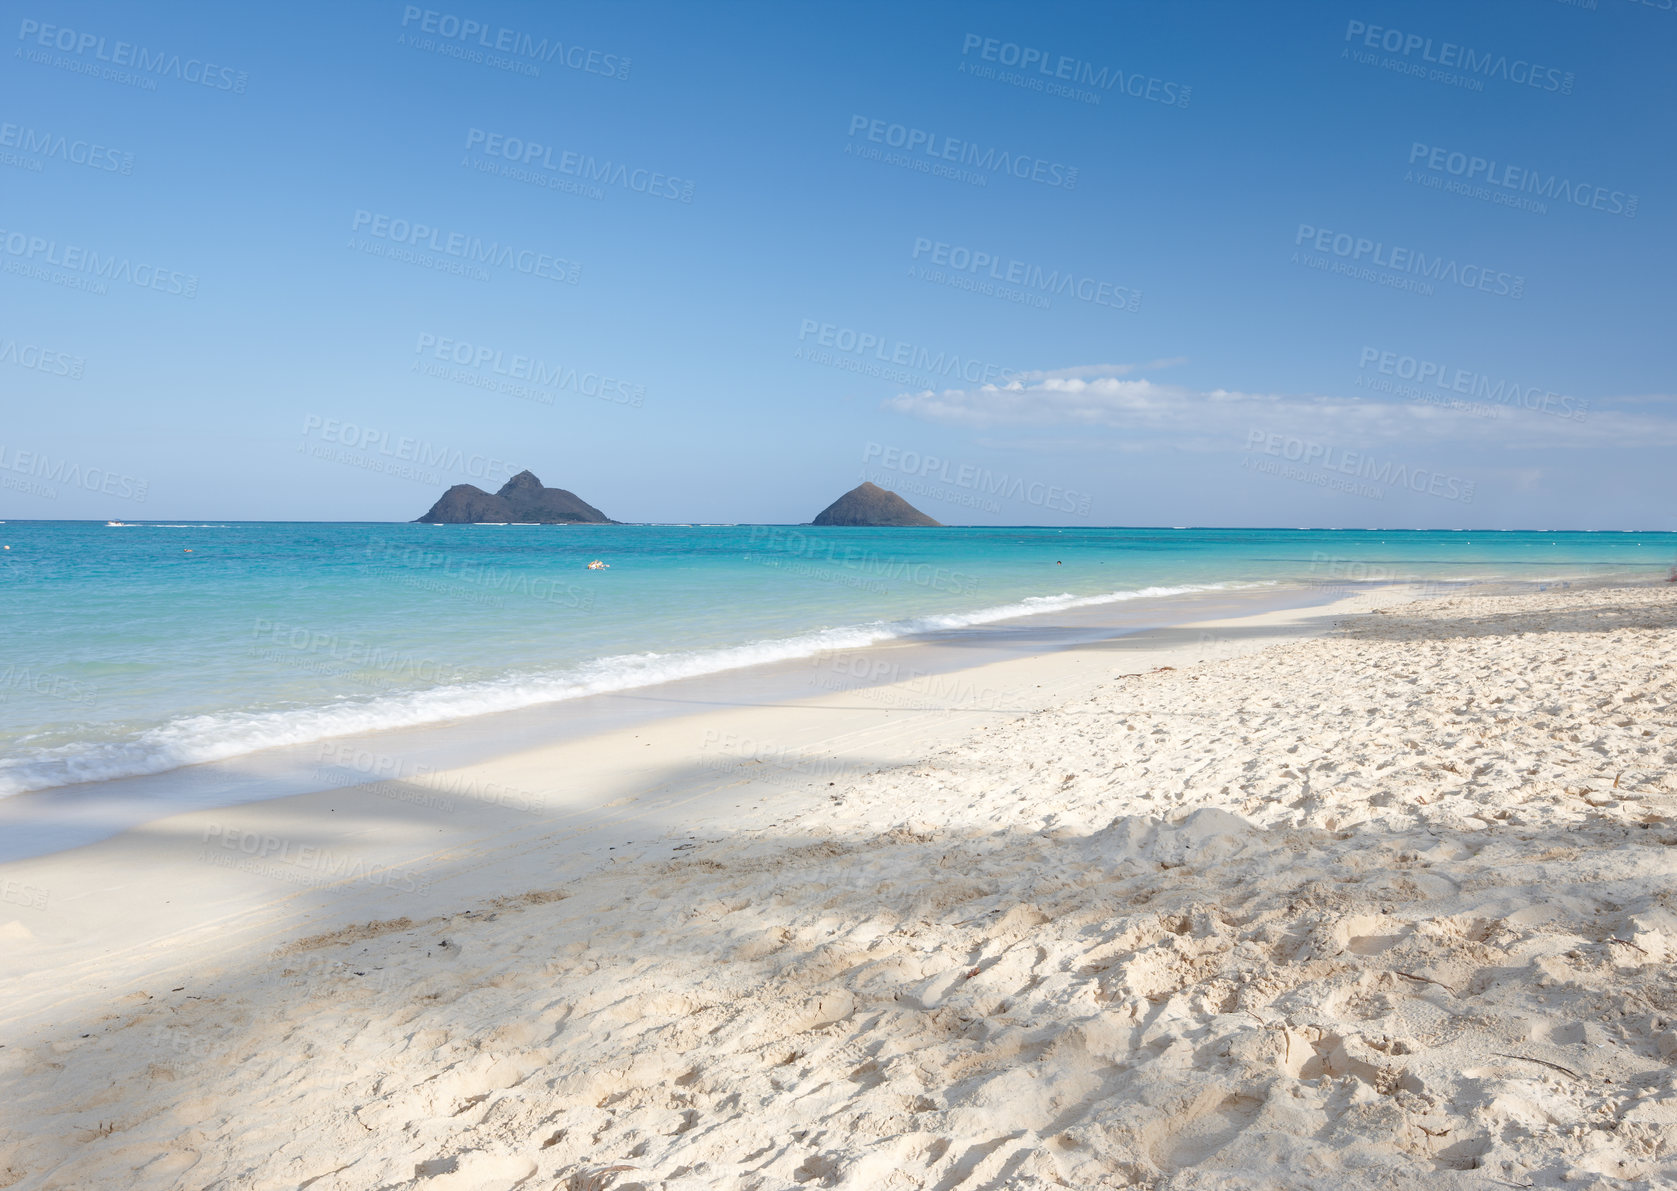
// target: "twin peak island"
[[523, 499]]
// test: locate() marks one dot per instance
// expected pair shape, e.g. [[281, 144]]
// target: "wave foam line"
[[195, 740]]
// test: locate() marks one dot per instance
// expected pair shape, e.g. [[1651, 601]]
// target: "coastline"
[[1342, 886], [35, 822], [242, 733], [399, 630], [409, 823]]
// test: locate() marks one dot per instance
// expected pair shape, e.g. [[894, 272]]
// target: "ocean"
[[136, 649]]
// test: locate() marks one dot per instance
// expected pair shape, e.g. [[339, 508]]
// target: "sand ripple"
[[1390, 908]]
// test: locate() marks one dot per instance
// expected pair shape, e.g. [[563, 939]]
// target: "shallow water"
[[141, 648]]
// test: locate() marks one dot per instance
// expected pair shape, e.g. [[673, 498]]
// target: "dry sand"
[[1387, 908]]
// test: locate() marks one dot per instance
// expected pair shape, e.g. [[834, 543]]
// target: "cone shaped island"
[[868, 504]]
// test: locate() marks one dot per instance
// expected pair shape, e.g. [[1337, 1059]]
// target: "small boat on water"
[[597, 565]]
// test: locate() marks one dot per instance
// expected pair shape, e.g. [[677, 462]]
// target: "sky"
[[1188, 262]]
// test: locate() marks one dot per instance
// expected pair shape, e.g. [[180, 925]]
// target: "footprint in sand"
[[823, 1010], [1369, 934], [821, 1169], [1466, 1154], [1208, 1125], [1559, 1033], [474, 1170], [601, 1178]]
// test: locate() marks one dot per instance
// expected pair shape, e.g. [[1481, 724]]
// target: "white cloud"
[[1105, 397]]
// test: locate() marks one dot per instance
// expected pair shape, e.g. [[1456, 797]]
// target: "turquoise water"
[[140, 648]]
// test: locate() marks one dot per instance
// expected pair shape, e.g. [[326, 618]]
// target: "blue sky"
[[1343, 265]]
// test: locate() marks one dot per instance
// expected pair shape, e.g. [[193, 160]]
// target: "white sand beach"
[[1372, 896]]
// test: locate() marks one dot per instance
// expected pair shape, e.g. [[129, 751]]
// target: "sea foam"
[[194, 740]]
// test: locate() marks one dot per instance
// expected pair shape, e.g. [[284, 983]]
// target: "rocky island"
[[522, 498], [870, 505]]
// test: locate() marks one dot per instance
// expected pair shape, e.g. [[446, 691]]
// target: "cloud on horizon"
[[1105, 397]]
